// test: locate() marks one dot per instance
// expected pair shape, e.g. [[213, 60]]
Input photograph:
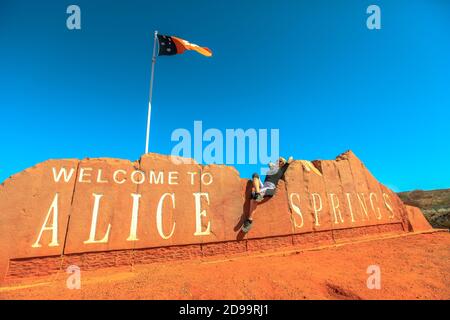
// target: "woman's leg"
[[251, 210], [256, 183]]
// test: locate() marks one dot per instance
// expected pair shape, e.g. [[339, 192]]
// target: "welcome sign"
[[66, 207]]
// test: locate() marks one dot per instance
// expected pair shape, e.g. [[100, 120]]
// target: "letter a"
[[183, 148], [74, 20], [374, 20], [54, 227], [374, 280]]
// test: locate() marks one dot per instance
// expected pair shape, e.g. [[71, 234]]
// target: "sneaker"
[[247, 226], [259, 197]]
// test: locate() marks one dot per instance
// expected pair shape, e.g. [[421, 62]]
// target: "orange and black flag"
[[169, 46]]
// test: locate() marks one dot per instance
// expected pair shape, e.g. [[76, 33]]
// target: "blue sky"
[[311, 69]]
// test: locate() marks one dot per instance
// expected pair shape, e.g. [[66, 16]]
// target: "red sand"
[[412, 267]]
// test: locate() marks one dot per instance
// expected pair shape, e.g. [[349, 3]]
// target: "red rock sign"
[[65, 207]]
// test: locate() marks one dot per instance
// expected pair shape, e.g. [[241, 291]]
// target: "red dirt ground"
[[412, 267]]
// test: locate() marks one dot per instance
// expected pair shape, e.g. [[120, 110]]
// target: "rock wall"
[[108, 212]]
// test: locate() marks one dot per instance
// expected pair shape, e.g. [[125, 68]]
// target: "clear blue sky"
[[309, 68]]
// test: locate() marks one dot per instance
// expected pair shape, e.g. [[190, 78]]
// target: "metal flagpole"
[[151, 93]]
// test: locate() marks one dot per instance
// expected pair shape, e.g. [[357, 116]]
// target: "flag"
[[169, 46]]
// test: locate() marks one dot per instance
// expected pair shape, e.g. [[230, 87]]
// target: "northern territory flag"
[[169, 46]]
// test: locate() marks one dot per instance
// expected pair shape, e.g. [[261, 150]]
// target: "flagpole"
[[151, 92]]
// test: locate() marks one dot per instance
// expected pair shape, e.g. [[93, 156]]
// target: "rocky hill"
[[434, 204]]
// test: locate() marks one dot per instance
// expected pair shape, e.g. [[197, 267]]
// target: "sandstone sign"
[[106, 212]]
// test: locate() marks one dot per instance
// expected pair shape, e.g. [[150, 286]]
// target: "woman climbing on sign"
[[261, 190]]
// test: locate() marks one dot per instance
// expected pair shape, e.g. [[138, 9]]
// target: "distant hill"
[[434, 204]]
